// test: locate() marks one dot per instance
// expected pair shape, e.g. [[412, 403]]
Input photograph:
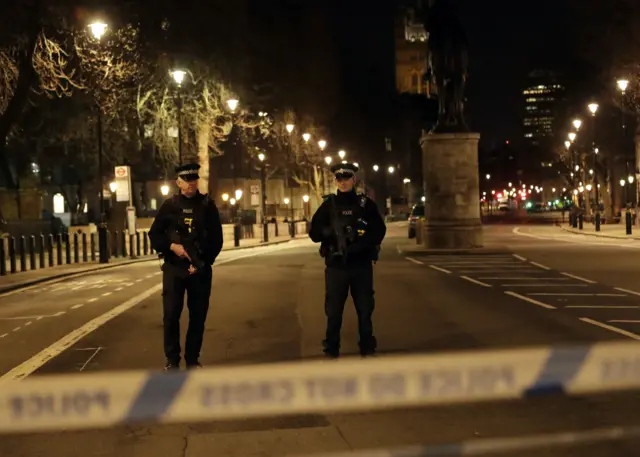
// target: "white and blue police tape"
[[498, 445], [104, 399]]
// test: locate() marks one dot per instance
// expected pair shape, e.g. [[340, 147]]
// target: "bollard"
[[32, 252], [151, 250], [12, 255], [59, 248], [132, 246], [236, 235], [23, 254], [145, 244], [598, 222], [76, 249], [50, 249], [580, 221], [116, 244], [3, 259], [42, 248], [93, 247], [292, 229], [138, 244], [104, 242], [276, 227], [67, 248], [123, 241], [627, 218], [265, 232], [575, 221], [85, 257]]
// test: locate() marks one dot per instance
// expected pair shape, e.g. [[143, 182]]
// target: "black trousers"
[[338, 282], [198, 289]]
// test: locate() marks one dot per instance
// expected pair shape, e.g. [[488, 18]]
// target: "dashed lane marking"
[[17, 328], [475, 281], [611, 328], [106, 294], [529, 300], [27, 323], [119, 289], [3, 335], [529, 278], [79, 305], [632, 292], [411, 259], [91, 300], [543, 285], [539, 265], [575, 295], [579, 278], [440, 269], [603, 307], [624, 321], [519, 257]]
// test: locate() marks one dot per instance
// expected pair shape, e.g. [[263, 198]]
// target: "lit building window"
[[58, 204]]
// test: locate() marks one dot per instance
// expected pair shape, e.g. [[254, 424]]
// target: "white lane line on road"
[[539, 265], [138, 280], [440, 269], [91, 300], [79, 305], [529, 278], [519, 257], [3, 335], [119, 289], [411, 259], [603, 307], [475, 281], [106, 294], [624, 321], [497, 271], [543, 285], [610, 327], [34, 363], [27, 323], [579, 278], [149, 276], [632, 292], [529, 300], [17, 328], [577, 295]]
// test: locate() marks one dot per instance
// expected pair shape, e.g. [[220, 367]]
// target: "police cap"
[[188, 172], [344, 170]]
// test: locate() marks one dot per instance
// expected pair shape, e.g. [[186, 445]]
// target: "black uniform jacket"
[[362, 215], [200, 214]]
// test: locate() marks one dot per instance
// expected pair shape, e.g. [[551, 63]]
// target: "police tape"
[[498, 445], [97, 400]]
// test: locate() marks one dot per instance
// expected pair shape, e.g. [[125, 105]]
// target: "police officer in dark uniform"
[[350, 230], [187, 233]]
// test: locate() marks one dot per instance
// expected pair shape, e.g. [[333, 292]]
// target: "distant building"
[[542, 97]]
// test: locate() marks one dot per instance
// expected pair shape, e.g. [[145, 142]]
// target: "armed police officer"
[[350, 230], [187, 233]]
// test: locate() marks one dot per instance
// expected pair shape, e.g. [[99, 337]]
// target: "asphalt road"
[[267, 306]]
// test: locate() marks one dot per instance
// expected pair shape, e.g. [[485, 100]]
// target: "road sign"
[[123, 181], [122, 172]]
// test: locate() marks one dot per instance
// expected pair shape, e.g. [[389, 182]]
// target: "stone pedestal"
[[452, 208]]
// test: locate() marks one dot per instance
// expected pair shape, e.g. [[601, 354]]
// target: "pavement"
[[35, 275], [606, 231], [267, 306]]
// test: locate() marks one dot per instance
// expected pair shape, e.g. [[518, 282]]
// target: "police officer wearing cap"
[[350, 230], [187, 233]]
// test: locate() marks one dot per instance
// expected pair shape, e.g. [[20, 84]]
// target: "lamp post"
[[263, 195], [290, 128], [98, 29], [164, 190], [178, 78]]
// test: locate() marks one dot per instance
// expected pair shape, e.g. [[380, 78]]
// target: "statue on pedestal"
[[448, 46]]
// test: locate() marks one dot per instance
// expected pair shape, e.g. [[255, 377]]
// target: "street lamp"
[[391, 170], [98, 29], [164, 190], [263, 201], [622, 85], [178, 76], [225, 197], [261, 157], [577, 123], [341, 153], [232, 104], [406, 180], [567, 144], [322, 144], [306, 137], [232, 201], [113, 186], [589, 187], [622, 182], [488, 176], [593, 108], [630, 179], [572, 136], [289, 127], [376, 168], [286, 200], [238, 194], [305, 198], [327, 160]]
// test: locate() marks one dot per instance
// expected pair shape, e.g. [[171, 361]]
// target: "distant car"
[[416, 213]]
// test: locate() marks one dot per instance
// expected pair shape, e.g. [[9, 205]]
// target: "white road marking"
[[19, 318], [27, 323], [17, 328], [610, 327], [119, 289], [411, 259], [579, 278], [80, 305], [398, 249], [91, 300], [34, 363], [157, 273], [90, 359], [3, 335], [543, 285], [475, 281], [529, 278], [578, 295], [529, 270], [632, 292], [603, 307], [539, 265], [623, 321], [106, 294], [530, 300], [519, 257], [149, 276], [577, 238], [440, 269], [480, 264], [127, 284], [138, 280]]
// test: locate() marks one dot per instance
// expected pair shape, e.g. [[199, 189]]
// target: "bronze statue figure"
[[448, 46]]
